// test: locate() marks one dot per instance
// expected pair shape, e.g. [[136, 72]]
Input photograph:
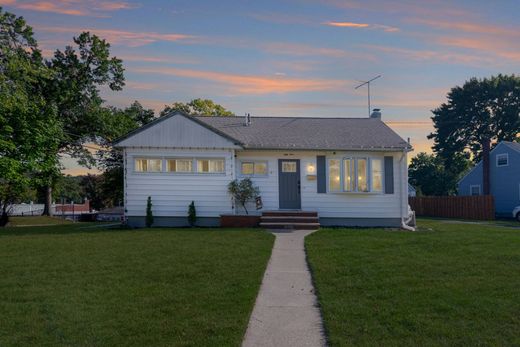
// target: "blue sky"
[[289, 58]]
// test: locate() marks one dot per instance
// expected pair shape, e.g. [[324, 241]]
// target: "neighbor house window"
[[148, 165], [502, 159], [377, 175], [474, 190], [180, 165], [253, 168], [210, 165], [356, 175]]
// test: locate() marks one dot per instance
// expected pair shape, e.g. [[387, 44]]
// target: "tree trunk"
[[485, 167], [4, 217], [47, 210]]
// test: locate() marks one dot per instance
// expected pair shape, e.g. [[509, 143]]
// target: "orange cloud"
[[250, 84], [156, 59], [94, 8], [362, 25], [347, 24], [128, 38]]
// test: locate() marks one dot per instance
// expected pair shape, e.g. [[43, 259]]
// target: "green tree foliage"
[[78, 73], [149, 213], [28, 124], [429, 174], [69, 188], [243, 191], [192, 214], [202, 107], [481, 110], [476, 116]]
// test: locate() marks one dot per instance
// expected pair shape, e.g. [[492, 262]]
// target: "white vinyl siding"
[[359, 205], [172, 192]]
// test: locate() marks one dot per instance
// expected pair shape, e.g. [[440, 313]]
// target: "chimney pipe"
[[247, 120], [376, 113]]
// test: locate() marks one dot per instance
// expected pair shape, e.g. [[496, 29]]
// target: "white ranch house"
[[351, 171]]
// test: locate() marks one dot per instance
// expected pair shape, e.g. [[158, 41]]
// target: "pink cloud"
[[437, 55], [95, 8], [251, 84], [128, 38], [362, 26]]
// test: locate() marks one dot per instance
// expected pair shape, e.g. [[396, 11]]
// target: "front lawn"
[[74, 286], [447, 284], [36, 221]]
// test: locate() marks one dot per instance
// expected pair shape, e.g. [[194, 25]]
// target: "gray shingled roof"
[[308, 133]]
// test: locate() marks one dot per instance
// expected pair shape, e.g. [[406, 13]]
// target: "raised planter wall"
[[239, 221]]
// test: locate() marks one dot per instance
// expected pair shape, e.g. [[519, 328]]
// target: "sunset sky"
[[292, 58]]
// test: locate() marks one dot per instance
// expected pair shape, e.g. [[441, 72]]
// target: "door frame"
[[298, 182]]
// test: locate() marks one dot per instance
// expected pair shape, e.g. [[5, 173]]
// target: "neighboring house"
[[504, 178], [352, 171]]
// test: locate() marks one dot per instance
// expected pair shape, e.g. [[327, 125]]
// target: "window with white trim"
[[502, 159], [179, 165], [253, 168], [355, 175], [210, 165], [474, 189], [377, 175], [148, 165]]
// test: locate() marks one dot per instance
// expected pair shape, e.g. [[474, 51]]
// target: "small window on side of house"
[[502, 159], [253, 168], [210, 165], [148, 165], [474, 190]]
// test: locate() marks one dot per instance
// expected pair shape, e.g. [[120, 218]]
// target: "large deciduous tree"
[[202, 107], [28, 124], [429, 174], [476, 116], [78, 73]]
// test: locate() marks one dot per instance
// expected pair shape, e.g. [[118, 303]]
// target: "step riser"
[[290, 227], [290, 214], [289, 220]]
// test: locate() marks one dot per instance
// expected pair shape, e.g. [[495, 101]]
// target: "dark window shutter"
[[321, 174], [389, 175]]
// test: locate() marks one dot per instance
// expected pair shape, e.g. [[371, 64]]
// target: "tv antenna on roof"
[[368, 89]]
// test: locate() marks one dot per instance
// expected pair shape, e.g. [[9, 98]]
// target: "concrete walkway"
[[286, 311]]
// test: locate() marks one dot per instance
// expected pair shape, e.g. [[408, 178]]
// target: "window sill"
[[357, 193]]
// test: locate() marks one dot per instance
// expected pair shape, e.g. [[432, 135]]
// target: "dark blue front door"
[[289, 184]]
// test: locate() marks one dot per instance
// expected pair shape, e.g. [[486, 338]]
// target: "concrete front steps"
[[290, 220]]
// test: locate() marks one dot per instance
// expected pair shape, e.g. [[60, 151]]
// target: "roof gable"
[[177, 130]]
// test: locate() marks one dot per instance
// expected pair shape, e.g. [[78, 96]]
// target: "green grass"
[[73, 286], [447, 284], [36, 220]]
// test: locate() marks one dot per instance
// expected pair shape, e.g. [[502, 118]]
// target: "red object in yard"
[[76, 208]]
